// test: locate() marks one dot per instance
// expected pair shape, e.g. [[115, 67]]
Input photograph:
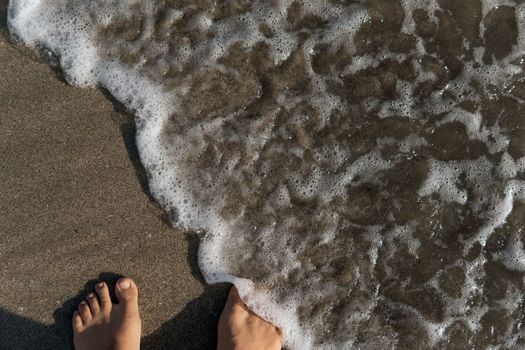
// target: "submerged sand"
[[75, 209]]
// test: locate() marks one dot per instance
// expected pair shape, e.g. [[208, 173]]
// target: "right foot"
[[100, 325], [241, 329]]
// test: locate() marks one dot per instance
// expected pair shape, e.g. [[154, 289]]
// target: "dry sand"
[[74, 209]]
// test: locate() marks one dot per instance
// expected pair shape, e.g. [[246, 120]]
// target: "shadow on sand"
[[3, 16], [193, 328]]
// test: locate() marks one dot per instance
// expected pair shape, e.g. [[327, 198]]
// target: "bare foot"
[[241, 328], [99, 324]]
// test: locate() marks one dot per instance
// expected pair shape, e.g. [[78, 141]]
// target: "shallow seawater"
[[355, 167]]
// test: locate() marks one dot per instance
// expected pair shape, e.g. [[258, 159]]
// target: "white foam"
[[197, 197]]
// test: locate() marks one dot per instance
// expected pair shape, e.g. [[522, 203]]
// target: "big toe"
[[127, 294]]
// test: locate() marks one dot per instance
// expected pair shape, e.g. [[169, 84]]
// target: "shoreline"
[[76, 208]]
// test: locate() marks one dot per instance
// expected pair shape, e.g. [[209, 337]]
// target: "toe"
[[85, 313], [234, 300], [78, 325], [127, 294], [234, 296], [103, 295], [93, 304]]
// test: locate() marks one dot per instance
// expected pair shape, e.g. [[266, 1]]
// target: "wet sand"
[[75, 209]]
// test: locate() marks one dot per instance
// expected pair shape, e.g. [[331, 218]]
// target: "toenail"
[[124, 284], [91, 295], [82, 303], [100, 285]]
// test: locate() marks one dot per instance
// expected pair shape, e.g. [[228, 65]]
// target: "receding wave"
[[356, 168]]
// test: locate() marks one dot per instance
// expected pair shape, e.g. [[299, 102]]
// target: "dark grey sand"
[[75, 209]]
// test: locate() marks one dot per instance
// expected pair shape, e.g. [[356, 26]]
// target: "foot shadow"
[[21, 333], [195, 327]]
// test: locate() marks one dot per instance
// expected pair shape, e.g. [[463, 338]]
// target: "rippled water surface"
[[356, 166]]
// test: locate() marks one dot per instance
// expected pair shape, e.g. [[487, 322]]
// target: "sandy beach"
[[75, 209], [355, 168]]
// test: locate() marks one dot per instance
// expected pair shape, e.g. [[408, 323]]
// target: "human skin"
[[240, 328]]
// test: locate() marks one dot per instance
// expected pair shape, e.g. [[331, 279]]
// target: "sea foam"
[[355, 168]]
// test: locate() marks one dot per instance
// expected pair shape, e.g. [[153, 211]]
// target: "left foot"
[[100, 325]]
